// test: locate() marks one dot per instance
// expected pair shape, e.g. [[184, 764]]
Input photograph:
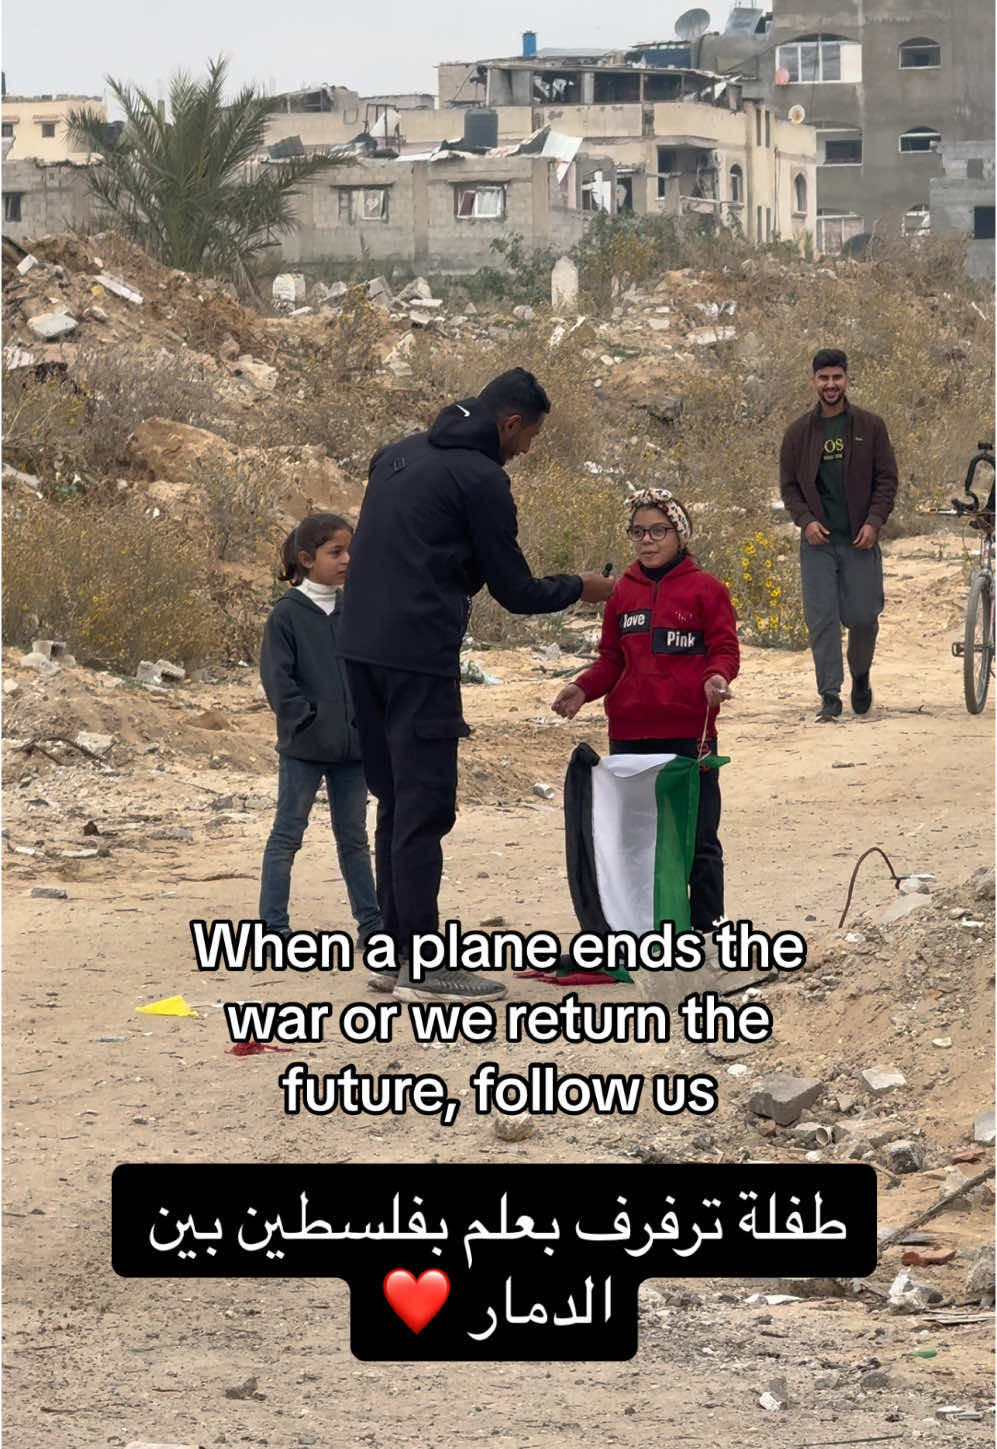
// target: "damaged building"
[[441, 210]]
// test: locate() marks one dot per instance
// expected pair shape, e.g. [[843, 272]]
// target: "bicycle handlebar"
[[985, 455]]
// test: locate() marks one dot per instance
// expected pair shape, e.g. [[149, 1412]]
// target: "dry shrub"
[[115, 584], [123, 389], [242, 508], [46, 429]]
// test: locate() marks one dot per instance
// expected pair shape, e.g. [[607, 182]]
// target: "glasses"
[[657, 531]]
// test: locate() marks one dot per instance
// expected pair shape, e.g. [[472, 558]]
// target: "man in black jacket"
[[438, 522]]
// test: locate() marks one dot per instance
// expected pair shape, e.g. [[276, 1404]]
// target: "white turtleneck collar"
[[326, 596]]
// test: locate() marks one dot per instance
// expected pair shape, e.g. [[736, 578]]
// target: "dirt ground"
[[178, 815]]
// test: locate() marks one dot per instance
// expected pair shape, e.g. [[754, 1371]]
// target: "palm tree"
[[186, 190]]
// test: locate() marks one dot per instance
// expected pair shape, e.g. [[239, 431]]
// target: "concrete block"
[[879, 1079], [50, 326], [784, 1098]]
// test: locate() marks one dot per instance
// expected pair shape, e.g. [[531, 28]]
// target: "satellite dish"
[[692, 24], [797, 114], [782, 76]]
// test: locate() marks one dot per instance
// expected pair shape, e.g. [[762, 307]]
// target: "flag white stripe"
[[624, 837]]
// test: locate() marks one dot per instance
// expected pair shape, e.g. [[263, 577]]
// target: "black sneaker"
[[861, 694], [459, 985], [830, 707]]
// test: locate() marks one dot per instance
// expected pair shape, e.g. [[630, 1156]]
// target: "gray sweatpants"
[[841, 585]]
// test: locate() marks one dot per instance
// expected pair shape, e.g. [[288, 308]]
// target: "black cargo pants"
[[409, 725]]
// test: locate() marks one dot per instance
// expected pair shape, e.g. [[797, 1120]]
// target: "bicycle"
[[976, 648]]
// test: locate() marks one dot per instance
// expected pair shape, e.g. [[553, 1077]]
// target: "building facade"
[[439, 214], [885, 86], [34, 127], [962, 201]]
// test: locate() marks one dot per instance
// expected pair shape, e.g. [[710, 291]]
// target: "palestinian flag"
[[630, 837]]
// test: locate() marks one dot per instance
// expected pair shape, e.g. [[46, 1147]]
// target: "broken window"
[[919, 138], [800, 194], [12, 205], [974, 168], [363, 203], [487, 203], [48, 130], [820, 59], [736, 184], [667, 166], [556, 89], [917, 219], [983, 223], [612, 88], [834, 229], [8, 130], [839, 148], [920, 55]]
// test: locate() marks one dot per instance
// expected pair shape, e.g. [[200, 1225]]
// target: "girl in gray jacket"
[[305, 684]]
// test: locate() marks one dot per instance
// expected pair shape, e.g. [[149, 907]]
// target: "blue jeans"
[[298, 784]]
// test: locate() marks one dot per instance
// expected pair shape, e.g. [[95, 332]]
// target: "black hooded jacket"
[[438, 522], [305, 682]]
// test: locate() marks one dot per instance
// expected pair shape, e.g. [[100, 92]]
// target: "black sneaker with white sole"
[[449, 985]]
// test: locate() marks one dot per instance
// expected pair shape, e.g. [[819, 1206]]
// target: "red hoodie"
[[660, 642]]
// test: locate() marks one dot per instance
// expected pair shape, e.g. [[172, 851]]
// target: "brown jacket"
[[870, 469]]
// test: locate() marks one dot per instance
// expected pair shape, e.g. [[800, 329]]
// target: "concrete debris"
[[49, 893], [710, 336], [776, 1396], [903, 906], [419, 288], [905, 1156], [39, 662], [51, 648], [784, 1098], [95, 744], [980, 1280], [379, 292], [813, 1134], [515, 1128], [25, 264], [289, 290], [119, 288], [911, 1295], [954, 1412], [49, 326], [880, 1079], [160, 672], [564, 286], [983, 1129], [472, 673], [523, 313]]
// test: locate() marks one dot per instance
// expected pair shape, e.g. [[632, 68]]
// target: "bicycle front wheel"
[[978, 647]]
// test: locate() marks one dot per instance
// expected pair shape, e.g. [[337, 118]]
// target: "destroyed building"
[[441, 211], [961, 201]]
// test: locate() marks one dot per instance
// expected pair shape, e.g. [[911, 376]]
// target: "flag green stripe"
[[677, 795]]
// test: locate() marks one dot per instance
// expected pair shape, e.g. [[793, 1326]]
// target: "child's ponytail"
[[309, 536]]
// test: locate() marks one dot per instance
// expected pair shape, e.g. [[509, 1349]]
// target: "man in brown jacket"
[[838, 479]]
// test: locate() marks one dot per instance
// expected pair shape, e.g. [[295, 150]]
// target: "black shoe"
[[830, 707], [460, 986], [861, 693]]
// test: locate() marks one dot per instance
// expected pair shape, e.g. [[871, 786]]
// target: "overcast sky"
[[69, 46]]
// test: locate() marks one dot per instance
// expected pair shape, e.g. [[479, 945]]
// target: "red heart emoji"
[[416, 1300]]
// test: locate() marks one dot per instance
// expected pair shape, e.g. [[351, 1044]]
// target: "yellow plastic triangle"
[[169, 1006]]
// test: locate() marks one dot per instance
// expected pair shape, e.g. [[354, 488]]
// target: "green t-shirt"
[[831, 479]]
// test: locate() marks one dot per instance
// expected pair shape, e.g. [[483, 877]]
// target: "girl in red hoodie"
[[668, 653]]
